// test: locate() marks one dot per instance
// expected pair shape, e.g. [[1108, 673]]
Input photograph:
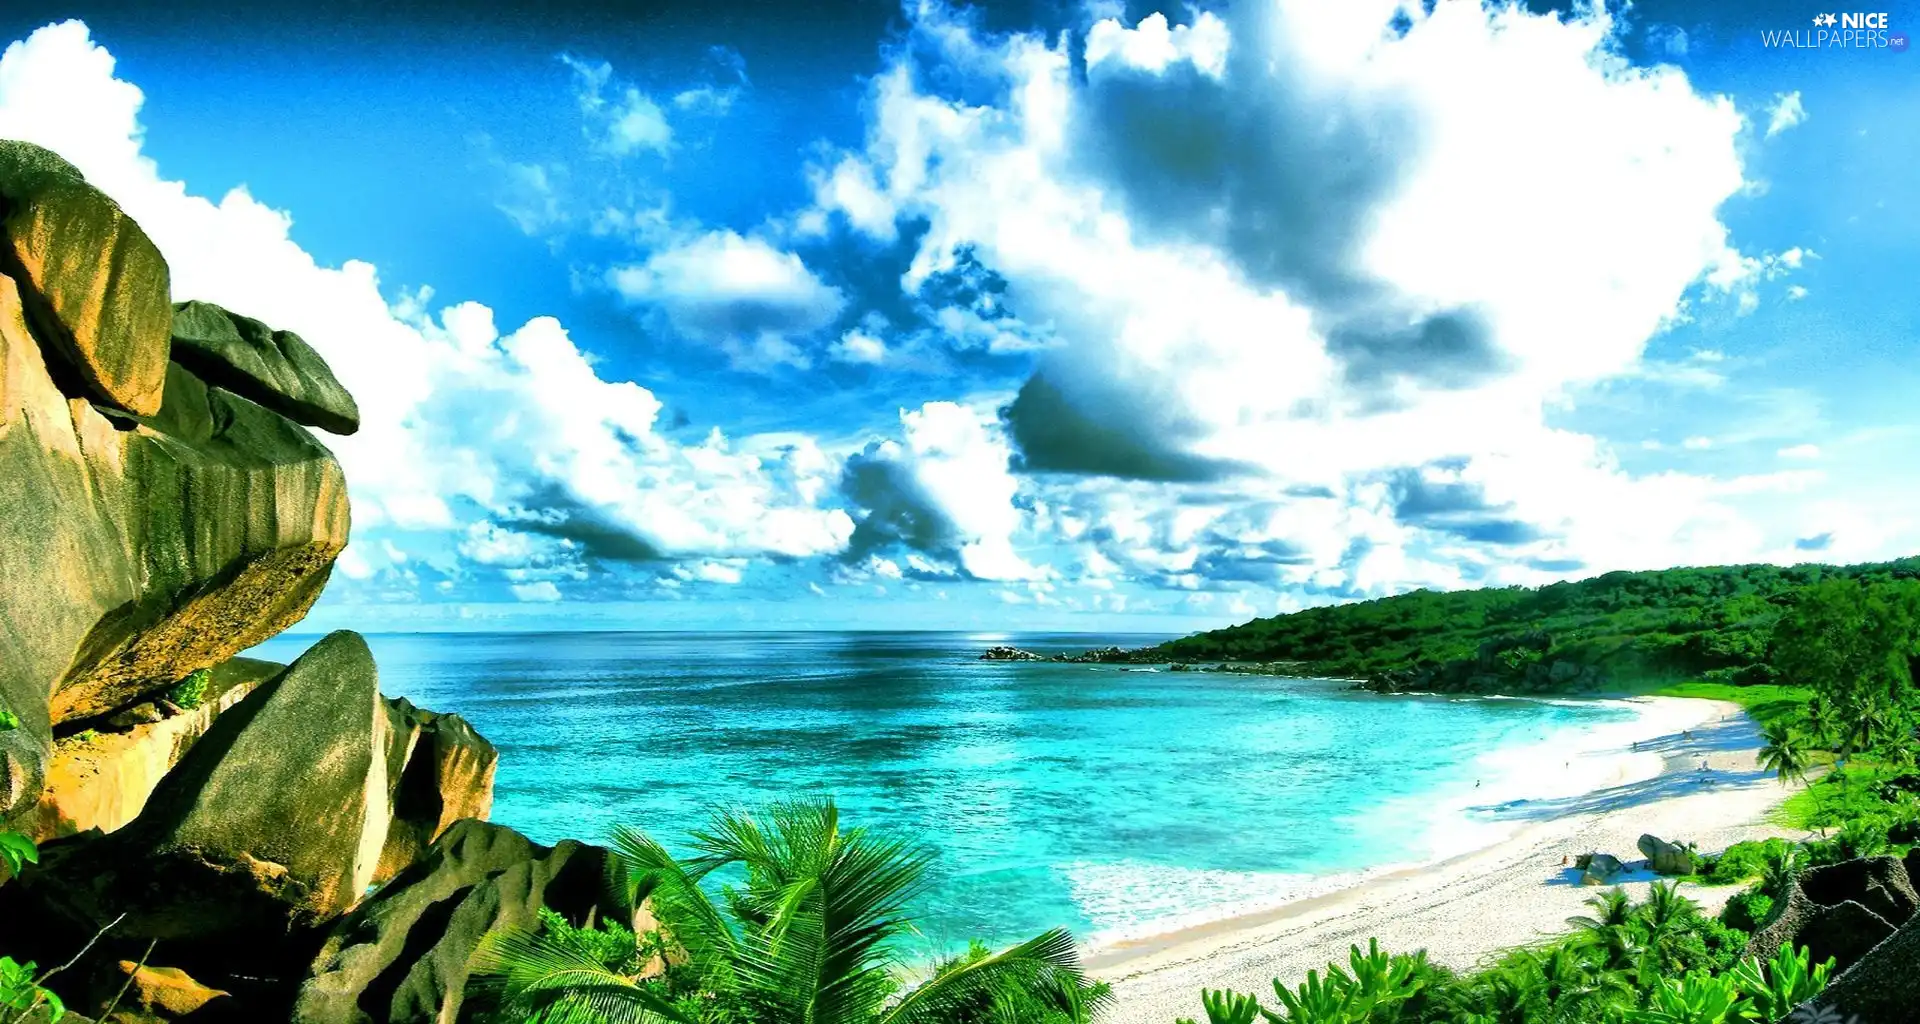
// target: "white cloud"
[[737, 293], [857, 346], [1800, 451], [945, 487], [541, 591], [1787, 112], [513, 439], [626, 123]]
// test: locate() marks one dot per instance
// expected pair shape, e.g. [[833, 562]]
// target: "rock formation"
[[401, 956], [163, 507], [1666, 858]]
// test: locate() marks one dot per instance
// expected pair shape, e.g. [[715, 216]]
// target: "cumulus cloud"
[[740, 294], [1297, 250], [510, 439], [943, 489]]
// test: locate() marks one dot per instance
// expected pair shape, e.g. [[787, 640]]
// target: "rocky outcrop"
[[157, 545], [439, 771], [276, 369], [275, 822], [1880, 884], [1003, 653], [102, 781], [1666, 858], [401, 957], [94, 286]]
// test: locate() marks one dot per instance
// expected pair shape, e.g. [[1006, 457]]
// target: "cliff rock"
[[146, 547]]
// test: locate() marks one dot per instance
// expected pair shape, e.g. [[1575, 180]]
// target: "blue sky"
[[1064, 315]]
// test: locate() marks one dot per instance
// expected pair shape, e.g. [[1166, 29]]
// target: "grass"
[[1766, 703]]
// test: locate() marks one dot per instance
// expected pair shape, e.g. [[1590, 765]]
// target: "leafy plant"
[[17, 850], [20, 991], [1782, 984], [1747, 911], [8, 720], [1224, 1007], [809, 937], [1696, 999], [191, 692]]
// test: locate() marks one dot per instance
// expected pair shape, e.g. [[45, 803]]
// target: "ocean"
[[1115, 802]]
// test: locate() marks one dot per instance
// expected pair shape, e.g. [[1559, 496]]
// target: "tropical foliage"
[[1716, 624], [810, 931]]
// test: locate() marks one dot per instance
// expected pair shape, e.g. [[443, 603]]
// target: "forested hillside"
[[1619, 630]]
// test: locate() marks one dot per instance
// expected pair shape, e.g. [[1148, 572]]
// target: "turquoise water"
[[1091, 796]]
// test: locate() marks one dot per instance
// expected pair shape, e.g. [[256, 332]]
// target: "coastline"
[[1497, 879]]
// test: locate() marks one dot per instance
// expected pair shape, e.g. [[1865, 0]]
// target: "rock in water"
[[1666, 858], [95, 287], [1003, 653], [401, 957], [157, 545], [277, 369]]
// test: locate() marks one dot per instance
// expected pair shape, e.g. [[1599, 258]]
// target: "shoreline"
[[1499, 882]]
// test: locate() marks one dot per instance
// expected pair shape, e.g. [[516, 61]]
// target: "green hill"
[[1617, 631]]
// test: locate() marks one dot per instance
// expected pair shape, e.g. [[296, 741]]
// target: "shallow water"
[[1107, 800]]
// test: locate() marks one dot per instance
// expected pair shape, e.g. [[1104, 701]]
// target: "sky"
[[1095, 316]]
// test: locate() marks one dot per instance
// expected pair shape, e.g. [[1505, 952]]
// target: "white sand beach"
[[1600, 794]]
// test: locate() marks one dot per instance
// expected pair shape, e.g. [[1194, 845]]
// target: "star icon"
[[1819, 20], [1830, 20]]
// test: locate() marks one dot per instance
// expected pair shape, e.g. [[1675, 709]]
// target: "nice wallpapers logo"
[[1857, 30]]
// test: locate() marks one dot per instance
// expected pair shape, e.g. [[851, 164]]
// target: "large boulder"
[[439, 770], [102, 781], [137, 994], [277, 369], [401, 957], [95, 287], [138, 550], [272, 824], [1666, 858], [1599, 868]]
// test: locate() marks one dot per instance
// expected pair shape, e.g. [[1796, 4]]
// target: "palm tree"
[[1783, 754], [810, 937], [1610, 929]]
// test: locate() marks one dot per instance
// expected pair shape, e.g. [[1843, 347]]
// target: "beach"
[[1502, 881]]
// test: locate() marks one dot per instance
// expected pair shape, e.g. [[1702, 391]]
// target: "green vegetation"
[[8, 720], [1618, 631], [17, 850], [21, 992], [191, 692], [809, 936], [1840, 649]]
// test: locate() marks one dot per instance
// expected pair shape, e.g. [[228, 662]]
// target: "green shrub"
[[15, 850], [191, 692], [20, 990], [8, 720], [1747, 911]]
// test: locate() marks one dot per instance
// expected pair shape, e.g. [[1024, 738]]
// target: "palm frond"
[[1046, 965], [551, 982]]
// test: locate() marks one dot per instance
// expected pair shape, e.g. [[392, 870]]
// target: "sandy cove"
[[1515, 892]]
